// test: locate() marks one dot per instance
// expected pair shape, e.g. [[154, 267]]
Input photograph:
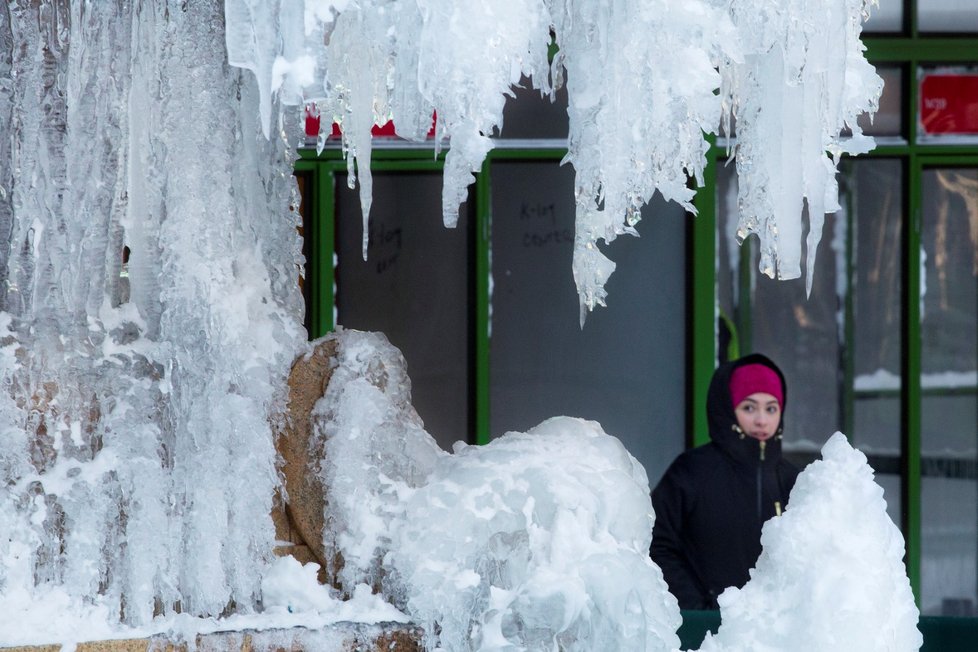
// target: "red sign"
[[949, 104], [383, 131]]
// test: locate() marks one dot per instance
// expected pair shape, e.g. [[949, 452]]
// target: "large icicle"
[[803, 79], [641, 84]]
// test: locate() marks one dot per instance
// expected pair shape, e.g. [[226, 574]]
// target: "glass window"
[[886, 18], [414, 287], [874, 194], [958, 16], [949, 384], [626, 367]]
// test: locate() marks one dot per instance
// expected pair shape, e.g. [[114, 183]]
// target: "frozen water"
[[831, 573], [802, 80], [535, 541], [641, 80], [374, 449], [149, 313], [539, 540], [641, 84], [137, 401], [291, 587]]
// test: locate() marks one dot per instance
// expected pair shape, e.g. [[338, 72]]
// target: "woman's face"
[[759, 415]]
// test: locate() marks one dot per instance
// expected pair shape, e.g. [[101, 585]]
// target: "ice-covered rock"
[[375, 453], [536, 541]]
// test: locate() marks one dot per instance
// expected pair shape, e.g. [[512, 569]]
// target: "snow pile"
[[831, 574], [641, 80], [149, 312], [293, 603], [535, 541]]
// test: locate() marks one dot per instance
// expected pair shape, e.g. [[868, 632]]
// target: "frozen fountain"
[[150, 310]]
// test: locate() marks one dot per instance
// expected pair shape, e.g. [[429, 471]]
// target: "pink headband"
[[752, 378]]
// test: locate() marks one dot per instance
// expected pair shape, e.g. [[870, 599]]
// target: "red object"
[[949, 103], [384, 131], [752, 378]]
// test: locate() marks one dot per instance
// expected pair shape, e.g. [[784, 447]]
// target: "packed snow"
[[150, 310]]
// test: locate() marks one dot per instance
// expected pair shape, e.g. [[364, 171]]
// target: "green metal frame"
[[703, 301], [323, 169]]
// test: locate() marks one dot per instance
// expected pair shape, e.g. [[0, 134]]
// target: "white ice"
[[831, 574], [539, 540], [534, 541], [294, 602], [136, 411], [642, 82]]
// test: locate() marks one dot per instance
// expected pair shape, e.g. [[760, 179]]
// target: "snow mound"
[[831, 574], [538, 540]]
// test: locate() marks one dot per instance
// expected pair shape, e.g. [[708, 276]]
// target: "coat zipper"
[[760, 473]]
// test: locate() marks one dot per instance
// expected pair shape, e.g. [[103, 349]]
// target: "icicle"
[[803, 79], [642, 82]]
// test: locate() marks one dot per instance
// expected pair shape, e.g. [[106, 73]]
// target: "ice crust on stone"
[[537, 540], [375, 452], [831, 574], [642, 80], [136, 399]]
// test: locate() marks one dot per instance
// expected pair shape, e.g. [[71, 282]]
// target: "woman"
[[712, 501]]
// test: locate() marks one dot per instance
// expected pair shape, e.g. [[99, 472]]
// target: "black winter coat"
[[712, 501]]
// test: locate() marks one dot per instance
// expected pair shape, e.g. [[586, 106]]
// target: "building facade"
[[885, 349]]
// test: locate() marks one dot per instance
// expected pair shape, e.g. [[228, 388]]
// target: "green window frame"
[[321, 170]]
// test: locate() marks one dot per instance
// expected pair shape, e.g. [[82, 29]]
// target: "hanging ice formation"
[[641, 80], [136, 397]]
